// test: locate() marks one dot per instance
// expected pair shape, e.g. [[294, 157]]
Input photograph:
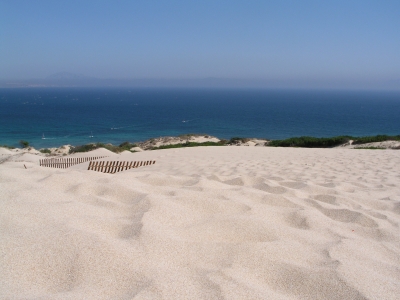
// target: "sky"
[[309, 43]]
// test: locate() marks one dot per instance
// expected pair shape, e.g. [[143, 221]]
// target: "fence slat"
[[64, 163], [99, 166], [115, 166]]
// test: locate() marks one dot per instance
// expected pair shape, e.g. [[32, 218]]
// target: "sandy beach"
[[203, 223]]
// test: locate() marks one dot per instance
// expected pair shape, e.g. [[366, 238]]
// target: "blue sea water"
[[49, 117]]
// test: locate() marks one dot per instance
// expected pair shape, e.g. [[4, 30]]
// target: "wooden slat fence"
[[117, 166], [63, 163]]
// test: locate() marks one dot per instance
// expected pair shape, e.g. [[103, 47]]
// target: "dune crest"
[[204, 223]]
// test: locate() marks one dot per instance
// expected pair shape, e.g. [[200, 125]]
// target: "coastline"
[[115, 116], [197, 140]]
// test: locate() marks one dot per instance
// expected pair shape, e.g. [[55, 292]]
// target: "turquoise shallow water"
[[49, 117]]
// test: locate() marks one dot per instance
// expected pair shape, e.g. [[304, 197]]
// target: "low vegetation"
[[191, 144], [24, 144], [237, 140], [126, 146], [303, 141], [313, 142], [310, 142], [190, 135], [47, 151], [6, 146], [370, 148], [376, 138]]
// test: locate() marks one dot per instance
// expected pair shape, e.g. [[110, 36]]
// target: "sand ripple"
[[205, 223]]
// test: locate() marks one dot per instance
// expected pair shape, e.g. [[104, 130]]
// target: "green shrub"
[[189, 144], [90, 147], [126, 146], [24, 144], [310, 142], [376, 138], [8, 147], [189, 135], [237, 140], [84, 148], [45, 150], [370, 148]]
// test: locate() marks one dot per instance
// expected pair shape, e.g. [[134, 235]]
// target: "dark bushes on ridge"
[[237, 140], [85, 148], [24, 144], [191, 144], [313, 142], [303, 141], [89, 147], [126, 146], [45, 151], [310, 142], [376, 138]]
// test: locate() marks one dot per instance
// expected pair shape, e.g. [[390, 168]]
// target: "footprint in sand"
[[326, 199], [270, 189], [297, 221], [293, 184], [235, 181], [328, 185], [278, 200], [344, 215], [348, 216]]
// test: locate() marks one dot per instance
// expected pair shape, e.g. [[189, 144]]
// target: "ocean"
[[50, 117]]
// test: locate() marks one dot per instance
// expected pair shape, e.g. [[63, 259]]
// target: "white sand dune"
[[204, 223]]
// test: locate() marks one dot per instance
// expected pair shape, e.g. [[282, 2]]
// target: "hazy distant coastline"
[[66, 79]]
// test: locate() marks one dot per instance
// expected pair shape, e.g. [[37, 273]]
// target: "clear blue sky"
[[298, 41]]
